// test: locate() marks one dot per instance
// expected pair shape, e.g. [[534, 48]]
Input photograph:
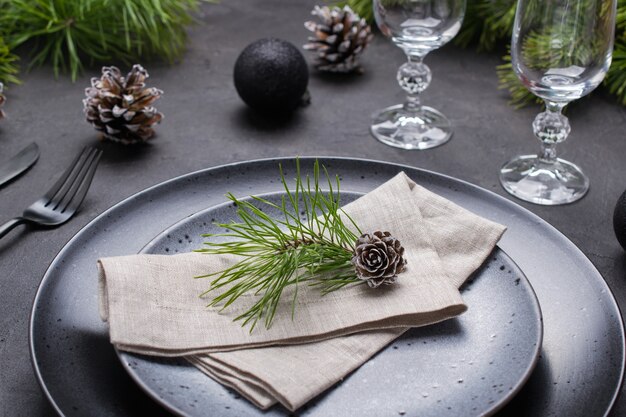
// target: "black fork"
[[61, 201]]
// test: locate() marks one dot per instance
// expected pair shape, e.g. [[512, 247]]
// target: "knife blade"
[[19, 163]]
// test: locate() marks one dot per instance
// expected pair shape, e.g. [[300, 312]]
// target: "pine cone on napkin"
[[378, 258]]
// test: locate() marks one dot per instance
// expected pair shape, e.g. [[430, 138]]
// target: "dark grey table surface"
[[206, 125]]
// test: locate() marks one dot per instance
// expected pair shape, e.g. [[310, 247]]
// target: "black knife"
[[19, 163]]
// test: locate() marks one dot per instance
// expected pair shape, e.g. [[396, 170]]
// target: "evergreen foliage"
[[488, 25], [72, 33], [8, 67], [310, 243]]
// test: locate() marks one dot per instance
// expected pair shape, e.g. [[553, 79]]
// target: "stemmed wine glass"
[[418, 27], [560, 50]]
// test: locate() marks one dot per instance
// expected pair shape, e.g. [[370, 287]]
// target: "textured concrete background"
[[206, 124]]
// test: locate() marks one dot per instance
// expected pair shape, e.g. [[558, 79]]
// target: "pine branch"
[[620, 19], [473, 25], [315, 249], [615, 80], [520, 95], [8, 67], [361, 7], [71, 33], [487, 23]]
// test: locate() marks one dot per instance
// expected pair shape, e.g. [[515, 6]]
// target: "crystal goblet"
[[418, 27], [561, 51]]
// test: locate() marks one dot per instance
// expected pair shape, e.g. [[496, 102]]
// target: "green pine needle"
[[473, 25], [615, 80], [520, 95], [361, 7], [72, 33], [487, 23], [8, 67], [315, 249]]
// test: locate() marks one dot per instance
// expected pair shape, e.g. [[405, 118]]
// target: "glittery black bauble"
[[619, 220], [271, 76]]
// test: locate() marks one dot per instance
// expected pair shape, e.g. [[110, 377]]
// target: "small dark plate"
[[467, 366]]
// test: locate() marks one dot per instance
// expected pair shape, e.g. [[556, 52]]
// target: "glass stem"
[[414, 76], [551, 128], [548, 152]]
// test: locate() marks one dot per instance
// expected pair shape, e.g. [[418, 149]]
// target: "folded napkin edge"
[[103, 300], [400, 321], [263, 399]]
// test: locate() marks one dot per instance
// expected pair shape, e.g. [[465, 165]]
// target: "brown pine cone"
[[121, 107], [378, 258], [2, 100], [338, 39]]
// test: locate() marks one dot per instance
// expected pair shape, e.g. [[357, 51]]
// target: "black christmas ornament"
[[271, 76], [619, 220]]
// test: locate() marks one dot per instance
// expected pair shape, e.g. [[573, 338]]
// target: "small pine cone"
[[378, 258], [121, 108], [339, 39], [2, 100]]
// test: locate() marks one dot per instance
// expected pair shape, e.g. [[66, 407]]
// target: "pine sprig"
[[361, 7], [473, 25], [486, 23], [8, 67], [520, 95], [278, 253], [615, 79], [71, 33]]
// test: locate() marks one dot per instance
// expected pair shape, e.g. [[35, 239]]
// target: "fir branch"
[[520, 95], [361, 7], [69, 33], [8, 67], [615, 80], [315, 249], [487, 23], [473, 25], [620, 20], [499, 17]]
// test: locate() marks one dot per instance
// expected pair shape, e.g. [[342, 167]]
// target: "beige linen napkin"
[[152, 307]]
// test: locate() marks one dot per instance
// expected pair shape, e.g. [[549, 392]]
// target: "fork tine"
[[65, 180], [72, 183], [79, 188], [79, 195], [84, 184]]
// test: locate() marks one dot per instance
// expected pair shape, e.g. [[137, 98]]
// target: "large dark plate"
[[579, 373], [468, 366]]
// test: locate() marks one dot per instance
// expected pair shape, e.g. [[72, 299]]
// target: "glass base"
[[404, 129], [532, 179]]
